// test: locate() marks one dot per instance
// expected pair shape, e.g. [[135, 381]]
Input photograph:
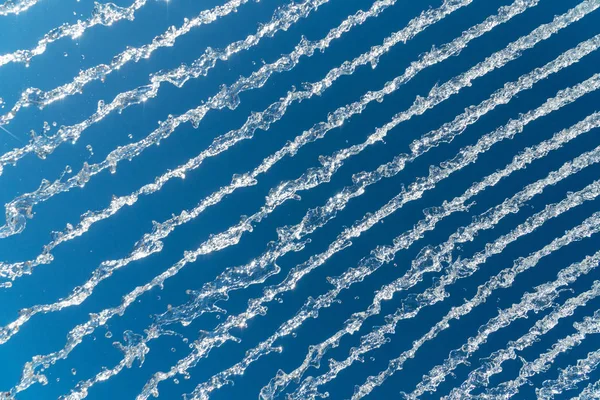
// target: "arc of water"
[[215, 290], [353, 324], [136, 347], [569, 377], [16, 6], [104, 14], [256, 306], [493, 364], [589, 326], [257, 121], [20, 208], [288, 190], [41, 99], [543, 298], [377, 338], [29, 372], [385, 254], [588, 228], [591, 392]]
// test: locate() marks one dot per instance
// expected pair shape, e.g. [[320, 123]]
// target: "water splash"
[[591, 391], [542, 299], [292, 238], [384, 254], [256, 307], [104, 14], [430, 381], [21, 207], [570, 376], [282, 19], [41, 99], [257, 121], [377, 337], [589, 326], [16, 6], [493, 365], [311, 309], [233, 280]]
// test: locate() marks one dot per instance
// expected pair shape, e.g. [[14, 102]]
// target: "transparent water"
[[365, 188]]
